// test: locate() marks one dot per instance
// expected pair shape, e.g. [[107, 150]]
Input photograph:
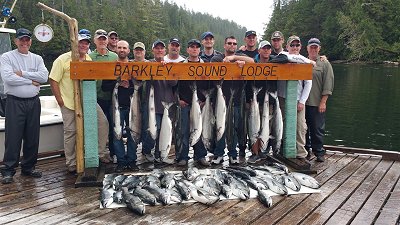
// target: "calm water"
[[364, 110]]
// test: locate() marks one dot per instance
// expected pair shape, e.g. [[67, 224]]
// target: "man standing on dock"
[[322, 87], [61, 86], [22, 72], [102, 54]]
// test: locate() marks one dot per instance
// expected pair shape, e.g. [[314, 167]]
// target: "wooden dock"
[[356, 189]]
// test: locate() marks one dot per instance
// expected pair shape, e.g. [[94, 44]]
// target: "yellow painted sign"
[[189, 71]]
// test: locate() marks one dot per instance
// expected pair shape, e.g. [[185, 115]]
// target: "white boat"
[[51, 128]]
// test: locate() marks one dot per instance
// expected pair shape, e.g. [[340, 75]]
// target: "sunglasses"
[[113, 38], [101, 33], [294, 45], [231, 43]]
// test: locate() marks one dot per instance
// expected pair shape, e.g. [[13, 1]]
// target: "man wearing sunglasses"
[[112, 41], [22, 73], [102, 54], [303, 90], [230, 55]]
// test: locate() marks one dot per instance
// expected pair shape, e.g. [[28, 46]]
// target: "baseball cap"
[[314, 41], [157, 43], [293, 38], [250, 32], [206, 34], [112, 32], [139, 45], [84, 31], [84, 37], [263, 44], [100, 33], [22, 32], [276, 35], [174, 40], [194, 42]]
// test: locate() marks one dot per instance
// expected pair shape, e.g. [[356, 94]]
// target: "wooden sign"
[[189, 71]]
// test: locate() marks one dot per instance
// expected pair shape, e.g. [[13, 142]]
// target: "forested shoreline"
[[350, 30], [134, 20]]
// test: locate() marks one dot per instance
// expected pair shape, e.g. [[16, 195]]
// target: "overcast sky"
[[251, 14]]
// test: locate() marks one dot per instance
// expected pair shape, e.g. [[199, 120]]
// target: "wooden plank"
[[189, 71], [37, 214], [341, 194], [301, 211], [280, 210], [350, 208], [390, 214], [387, 155], [371, 208], [208, 215]]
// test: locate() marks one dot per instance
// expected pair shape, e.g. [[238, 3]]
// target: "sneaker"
[[32, 173], [164, 161], [133, 167], [7, 179], [242, 159], [320, 158], [119, 168], [114, 159], [182, 162], [217, 160], [203, 162], [71, 170], [233, 160], [149, 157], [254, 158]]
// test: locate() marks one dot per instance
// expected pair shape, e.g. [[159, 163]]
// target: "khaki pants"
[[301, 133], [70, 134], [301, 129]]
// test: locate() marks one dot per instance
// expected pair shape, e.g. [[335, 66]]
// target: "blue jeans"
[[119, 147], [220, 146], [199, 149]]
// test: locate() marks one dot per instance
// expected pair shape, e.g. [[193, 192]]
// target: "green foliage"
[[134, 20], [348, 29]]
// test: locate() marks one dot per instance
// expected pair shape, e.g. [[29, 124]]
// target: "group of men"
[[312, 97]]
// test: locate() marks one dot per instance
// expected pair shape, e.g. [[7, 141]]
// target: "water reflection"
[[364, 110]]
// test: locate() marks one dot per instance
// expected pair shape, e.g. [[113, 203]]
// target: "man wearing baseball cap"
[[250, 38], [322, 88], [277, 40], [185, 101], [22, 73], [139, 52], [102, 54], [163, 92], [174, 48], [113, 39], [208, 41], [61, 86]]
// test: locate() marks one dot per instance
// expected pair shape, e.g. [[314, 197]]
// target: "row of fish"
[[209, 123], [231, 182]]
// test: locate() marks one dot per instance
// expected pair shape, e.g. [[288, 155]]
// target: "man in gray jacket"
[[22, 73]]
